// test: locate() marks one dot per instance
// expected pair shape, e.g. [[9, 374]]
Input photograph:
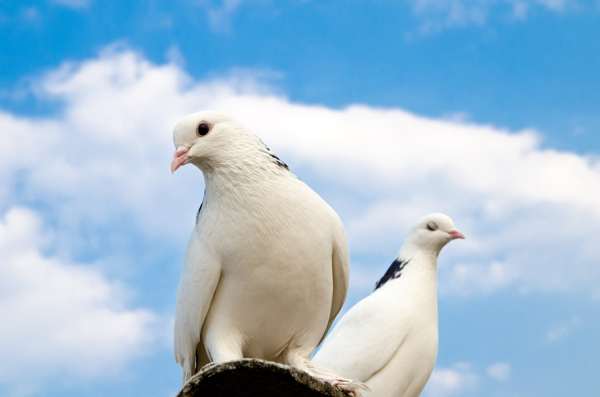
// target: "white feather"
[[389, 339]]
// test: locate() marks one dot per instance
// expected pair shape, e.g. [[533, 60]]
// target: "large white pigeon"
[[389, 339], [266, 268]]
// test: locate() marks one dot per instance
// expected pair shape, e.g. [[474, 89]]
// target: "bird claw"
[[354, 387], [208, 366]]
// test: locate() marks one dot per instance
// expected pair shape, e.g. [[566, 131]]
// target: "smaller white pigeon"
[[389, 340]]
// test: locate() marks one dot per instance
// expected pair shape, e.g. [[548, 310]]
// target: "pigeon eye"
[[432, 226], [203, 129]]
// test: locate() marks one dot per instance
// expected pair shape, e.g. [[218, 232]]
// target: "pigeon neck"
[[414, 267], [409, 250], [424, 262], [240, 182]]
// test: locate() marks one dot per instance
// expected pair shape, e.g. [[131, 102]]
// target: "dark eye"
[[203, 129], [432, 226]]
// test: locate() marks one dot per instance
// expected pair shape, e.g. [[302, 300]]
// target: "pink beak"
[[456, 234], [179, 158]]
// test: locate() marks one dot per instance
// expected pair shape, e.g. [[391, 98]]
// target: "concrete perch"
[[252, 377]]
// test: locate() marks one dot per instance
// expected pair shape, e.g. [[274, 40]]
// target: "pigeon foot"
[[208, 366], [354, 387]]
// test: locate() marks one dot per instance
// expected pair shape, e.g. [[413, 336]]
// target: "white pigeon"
[[389, 339], [266, 268]]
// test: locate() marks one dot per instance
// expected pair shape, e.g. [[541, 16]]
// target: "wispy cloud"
[[72, 3], [219, 17], [437, 15], [468, 279], [559, 331], [499, 371], [60, 317], [221, 12], [445, 382], [30, 15]]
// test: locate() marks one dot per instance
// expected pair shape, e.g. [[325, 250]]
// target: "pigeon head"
[[209, 138], [433, 232]]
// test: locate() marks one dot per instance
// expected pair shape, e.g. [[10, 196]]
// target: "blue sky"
[[486, 111], [536, 69]]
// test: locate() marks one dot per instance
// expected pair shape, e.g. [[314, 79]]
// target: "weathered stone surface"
[[252, 377]]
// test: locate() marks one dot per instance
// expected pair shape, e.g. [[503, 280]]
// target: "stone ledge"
[[251, 377]]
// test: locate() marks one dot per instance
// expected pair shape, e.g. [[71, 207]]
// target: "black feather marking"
[[276, 159], [279, 162], [198, 214], [395, 271], [200, 209]]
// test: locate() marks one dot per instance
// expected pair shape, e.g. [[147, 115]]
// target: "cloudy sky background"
[[484, 110]]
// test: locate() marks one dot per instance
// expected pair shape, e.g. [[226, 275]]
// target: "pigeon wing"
[[199, 280], [363, 341], [341, 275]]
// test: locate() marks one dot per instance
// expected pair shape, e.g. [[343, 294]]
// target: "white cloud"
[[59, 317], [447, 13], [103, 164], [220, 12], [499, 371], [175, 56], [437, 15], [556, 5], [105, 159], [451, 381], [467, 279], [559, 331], [219, 16]]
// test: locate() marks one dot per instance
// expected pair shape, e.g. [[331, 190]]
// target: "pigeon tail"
[[352, 386]]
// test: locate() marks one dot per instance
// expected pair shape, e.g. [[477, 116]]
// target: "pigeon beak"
[[456, 234], [179, 158]]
